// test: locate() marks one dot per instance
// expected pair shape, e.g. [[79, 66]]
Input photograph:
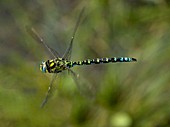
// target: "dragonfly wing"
[[55, 53], [67, 54], [38, 38], [49, 90], [84, 87]]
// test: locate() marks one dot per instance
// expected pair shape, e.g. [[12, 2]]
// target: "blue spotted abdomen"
[[103, 60]]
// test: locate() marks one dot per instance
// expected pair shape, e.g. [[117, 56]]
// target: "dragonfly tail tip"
[[133, 59]]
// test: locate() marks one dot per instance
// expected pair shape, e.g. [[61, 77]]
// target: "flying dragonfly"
[[59, 64]]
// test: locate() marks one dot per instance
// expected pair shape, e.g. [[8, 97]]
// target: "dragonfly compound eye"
[[43, 67]]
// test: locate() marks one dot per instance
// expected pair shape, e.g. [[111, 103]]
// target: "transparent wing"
[[49, 90], [67, 54], [55, 53], [38, 38], [85, 88]]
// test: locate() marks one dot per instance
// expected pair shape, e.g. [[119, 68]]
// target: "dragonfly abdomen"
[[103, 60]]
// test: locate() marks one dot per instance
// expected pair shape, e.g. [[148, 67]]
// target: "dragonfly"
[[61, 63]]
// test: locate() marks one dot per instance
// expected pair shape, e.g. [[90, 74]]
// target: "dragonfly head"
[[43, 67]]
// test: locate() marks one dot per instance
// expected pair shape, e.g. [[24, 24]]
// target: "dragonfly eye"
[[43, 67]]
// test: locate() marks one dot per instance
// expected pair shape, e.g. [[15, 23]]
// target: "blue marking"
[[43, 69], [121, 59], [126, 59]]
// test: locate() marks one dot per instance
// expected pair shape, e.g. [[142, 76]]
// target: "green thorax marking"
[[57, 65]]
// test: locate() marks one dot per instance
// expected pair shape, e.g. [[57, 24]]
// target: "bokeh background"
[[127, 94]]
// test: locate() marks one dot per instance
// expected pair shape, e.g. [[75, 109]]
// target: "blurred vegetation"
[[127, 94]]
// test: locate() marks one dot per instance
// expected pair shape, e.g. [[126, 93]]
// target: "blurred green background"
[[127, 94]]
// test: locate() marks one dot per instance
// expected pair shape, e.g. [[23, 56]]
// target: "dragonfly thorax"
[[55, 65]]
